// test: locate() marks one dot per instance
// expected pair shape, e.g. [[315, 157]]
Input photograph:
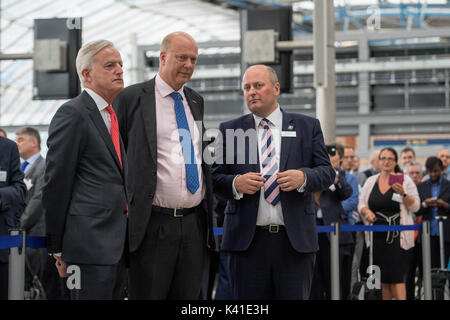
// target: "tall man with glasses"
[[171, 200]]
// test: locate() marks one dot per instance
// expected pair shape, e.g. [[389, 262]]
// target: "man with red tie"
[[269, 163], [84, 195]]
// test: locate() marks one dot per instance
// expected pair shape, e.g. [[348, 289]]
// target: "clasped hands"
[[435, 202], [252, 182]]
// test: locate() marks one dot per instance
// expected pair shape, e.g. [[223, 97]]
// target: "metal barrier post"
[[441, 220], [16, 275], [334, 257], [426, 259]]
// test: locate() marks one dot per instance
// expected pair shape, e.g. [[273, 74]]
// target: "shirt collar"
[[276, 118], [33, 158], [164, 89], [99, 101]]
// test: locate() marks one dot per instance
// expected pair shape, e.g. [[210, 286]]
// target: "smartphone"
[[395, 177]]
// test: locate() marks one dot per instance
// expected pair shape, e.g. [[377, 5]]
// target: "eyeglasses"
[[387, 159]]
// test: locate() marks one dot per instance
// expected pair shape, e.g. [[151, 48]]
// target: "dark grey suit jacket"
[[84, 195], [32, 219], [135, 108]]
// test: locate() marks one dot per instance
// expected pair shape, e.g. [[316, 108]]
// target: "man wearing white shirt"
[[270, 162], [32, 219], [84, 195]]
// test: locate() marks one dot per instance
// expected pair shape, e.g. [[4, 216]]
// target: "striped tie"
[[269, 165]]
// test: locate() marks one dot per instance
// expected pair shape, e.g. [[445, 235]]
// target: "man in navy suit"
[[329, 209], [12, 201], [271, 162]]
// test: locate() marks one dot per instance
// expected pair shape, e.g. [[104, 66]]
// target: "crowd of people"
[[126, 195]]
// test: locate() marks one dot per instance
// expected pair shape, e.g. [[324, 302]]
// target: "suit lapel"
[[445, 185], [148, 107], [288, 125], [30, 172], [97, 119], [197, 114]]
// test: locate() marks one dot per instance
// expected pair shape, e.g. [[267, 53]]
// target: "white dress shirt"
[[101, 105]]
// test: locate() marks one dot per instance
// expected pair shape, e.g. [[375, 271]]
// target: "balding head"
[[261, 89], [177, 59]]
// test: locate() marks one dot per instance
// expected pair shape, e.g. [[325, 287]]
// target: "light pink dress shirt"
[[171, 190]]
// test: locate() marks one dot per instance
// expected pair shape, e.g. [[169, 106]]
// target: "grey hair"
[[413, 163], [32, 133], [87, 53]]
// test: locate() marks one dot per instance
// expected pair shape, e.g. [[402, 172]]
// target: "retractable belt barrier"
[[35, 242], [355, 228], [39, 242]]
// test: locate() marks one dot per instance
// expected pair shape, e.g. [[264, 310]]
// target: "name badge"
[[397, 198], [3, 176], [289, 134], [28, 183]]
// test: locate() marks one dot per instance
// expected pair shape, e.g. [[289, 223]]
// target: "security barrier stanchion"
[[441, 220], [334, 257], [426, 259], [16, 277]]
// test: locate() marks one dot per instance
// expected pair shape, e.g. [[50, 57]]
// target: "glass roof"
[[114, 20]]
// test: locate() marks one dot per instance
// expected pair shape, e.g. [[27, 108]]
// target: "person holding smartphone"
[[434, 201], [390, 199]]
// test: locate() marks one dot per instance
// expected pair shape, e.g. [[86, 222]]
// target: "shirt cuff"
[[302, 188], [424, 204], [236, 195]]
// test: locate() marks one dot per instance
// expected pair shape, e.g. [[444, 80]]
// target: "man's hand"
[[249, 183], [61, 266], [290, 179], [431, 202], [441, 203]]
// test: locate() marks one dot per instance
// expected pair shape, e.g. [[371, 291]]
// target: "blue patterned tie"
[[192, 182], [24, 165]]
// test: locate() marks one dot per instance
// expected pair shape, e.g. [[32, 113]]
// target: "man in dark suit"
[[84, 195], [329, 209], [272, 172], [12, 201], [171, 200], [32, 220], [435, 201]]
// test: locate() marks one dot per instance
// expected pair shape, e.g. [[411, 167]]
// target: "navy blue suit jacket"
[[424, 190], [306, 151], [12, 190], [331, 205]]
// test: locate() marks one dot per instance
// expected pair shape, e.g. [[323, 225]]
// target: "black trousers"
[[100, 282], [169, 263], [270, 269]]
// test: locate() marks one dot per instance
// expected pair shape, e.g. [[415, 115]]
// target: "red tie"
[[115, 135], [115, 132]]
